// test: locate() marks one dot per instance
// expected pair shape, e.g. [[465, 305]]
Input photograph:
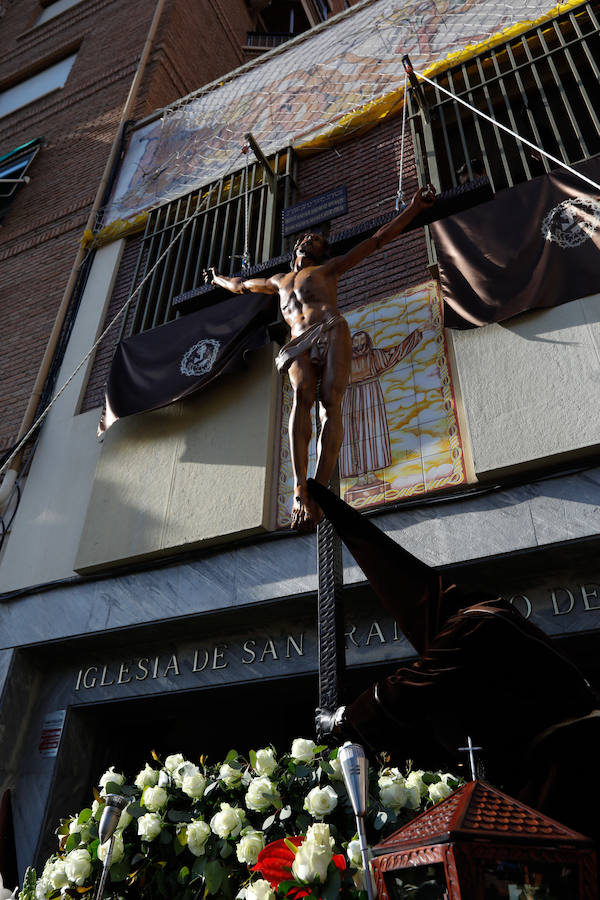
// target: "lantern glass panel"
[[505, 880], [418, 883]]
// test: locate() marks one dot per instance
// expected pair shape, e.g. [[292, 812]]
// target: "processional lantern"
[[480, 844]]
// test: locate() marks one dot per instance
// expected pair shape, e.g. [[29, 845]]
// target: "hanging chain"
[[400, 204], [246, 254]]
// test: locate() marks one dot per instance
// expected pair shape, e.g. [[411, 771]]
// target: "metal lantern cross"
[[480, 844]]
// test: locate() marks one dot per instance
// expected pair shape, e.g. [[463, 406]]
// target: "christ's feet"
[[306, 514]]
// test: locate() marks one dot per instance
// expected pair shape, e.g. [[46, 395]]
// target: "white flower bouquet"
[[250, 827]]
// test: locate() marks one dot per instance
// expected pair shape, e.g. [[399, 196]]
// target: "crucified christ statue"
[[320, 345]]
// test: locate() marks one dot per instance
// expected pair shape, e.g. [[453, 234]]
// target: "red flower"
[[275, 864]]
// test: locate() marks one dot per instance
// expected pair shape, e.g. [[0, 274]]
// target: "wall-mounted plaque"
[[311, 212]]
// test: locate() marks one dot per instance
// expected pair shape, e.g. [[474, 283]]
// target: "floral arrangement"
[[249, 828]]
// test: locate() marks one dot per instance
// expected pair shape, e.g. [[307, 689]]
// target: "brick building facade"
[[192, 44], [160, 547]]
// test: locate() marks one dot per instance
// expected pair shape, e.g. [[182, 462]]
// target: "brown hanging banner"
[[157, 367], [533, 246]]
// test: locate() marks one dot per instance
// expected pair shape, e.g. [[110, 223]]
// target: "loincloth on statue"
[[314, 341]]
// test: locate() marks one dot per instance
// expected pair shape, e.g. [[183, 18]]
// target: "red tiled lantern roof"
[[478, 812]]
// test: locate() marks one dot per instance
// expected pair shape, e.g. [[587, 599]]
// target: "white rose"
[[154, 798], [97, 809], [44, 879], [173, 762], [124, 819], [261, 794], [184, 768], [149, 826], [57, 876], [148, 777], [198, 832], [393, 791], [229, 776], [110, 776], [78, 865], [337, 774], [319, 833], [193, 784], [228, 822], [260, 890], [41, 890], [265, 761], [249, 847], [354, 855], [439, 791], [413, 800], [321, 801], [118, 849], [447, 777], [415, 779], [302, 750], [311, 861]]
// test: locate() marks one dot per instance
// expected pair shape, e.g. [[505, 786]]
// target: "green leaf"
[[127, 790], [227, 850], [137, 858], [213, 873], [331, 888], [430, 778], [165, 837], [135, 810], [199, 865], [178, 847], [119, 870], [253, 759], [320, 748], [231, 756], [183, 875], [29, 884], [113, 788], [301, 770], [72, 842], [285, 813], [267, 823], [84, 816], [179, 815], [380, 820]]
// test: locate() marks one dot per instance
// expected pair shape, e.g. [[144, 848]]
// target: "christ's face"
[[312, 246], [360, 343]]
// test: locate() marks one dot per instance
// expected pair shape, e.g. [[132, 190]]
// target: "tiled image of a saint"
[[366, 446]]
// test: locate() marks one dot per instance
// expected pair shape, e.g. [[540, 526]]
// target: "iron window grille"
[[215, 237], [542, 84]]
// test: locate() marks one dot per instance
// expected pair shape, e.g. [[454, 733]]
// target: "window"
[[13, 172], [542, 84], [37, 86], [215, 237], [54, 9]]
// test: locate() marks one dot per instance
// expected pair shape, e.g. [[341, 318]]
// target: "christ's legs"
[[334, 380], [303, 379]]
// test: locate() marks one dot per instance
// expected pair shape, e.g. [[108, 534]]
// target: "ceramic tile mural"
[[401, 434]]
